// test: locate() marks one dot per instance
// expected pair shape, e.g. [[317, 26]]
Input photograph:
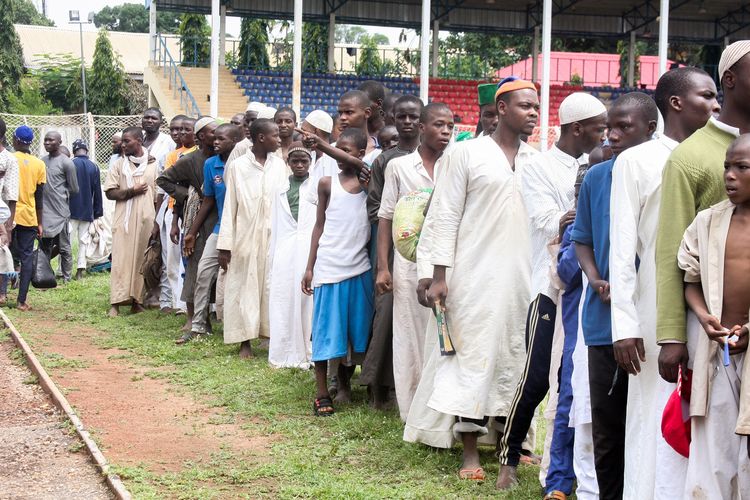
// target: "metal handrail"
[[172, 73]]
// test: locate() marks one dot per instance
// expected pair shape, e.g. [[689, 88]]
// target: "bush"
[[30, 100]]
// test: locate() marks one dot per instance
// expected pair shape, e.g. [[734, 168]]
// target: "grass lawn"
[[358, 453]]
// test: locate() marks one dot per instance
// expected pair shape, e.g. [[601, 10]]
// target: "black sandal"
[[323, 407], [187, 337]]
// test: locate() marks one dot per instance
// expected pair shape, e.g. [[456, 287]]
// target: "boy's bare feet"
[[3, 299], [79, 274], [114, 311], [507, 478], [344, 392], [136, 308], [245, 350], [24, 307]]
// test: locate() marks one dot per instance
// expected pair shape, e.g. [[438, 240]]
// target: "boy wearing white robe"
[[293, 219], [476, 211], [251, 183], [406, 174], [715, 255], [686, 97]]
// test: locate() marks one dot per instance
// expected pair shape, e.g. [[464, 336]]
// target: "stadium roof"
[[702, 21]]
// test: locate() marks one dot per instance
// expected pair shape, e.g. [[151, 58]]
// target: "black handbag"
[[44, 276]]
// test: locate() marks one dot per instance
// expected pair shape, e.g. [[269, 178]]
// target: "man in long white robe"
[[246, 233], [652, 468], [290, 309], [403, 176]]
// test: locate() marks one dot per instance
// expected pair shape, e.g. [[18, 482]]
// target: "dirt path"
[[40, 458], [138, 420]]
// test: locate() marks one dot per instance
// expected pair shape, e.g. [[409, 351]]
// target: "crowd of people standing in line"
[[606, 273]]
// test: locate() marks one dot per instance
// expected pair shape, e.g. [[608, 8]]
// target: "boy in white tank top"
[[338, 269]]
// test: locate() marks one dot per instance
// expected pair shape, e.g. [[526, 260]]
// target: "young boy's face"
[[406, 116], [737, 172], [175, 131], [437, 129], [223, 141], [352, 114], [299, 162], [285, 122], [488, 118], [187, 132], [270, 140], [348, 146], [627, 128], [388, 138]]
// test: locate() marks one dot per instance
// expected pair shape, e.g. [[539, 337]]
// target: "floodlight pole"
[[546, 48], [424, 53], [80, 24], [214, 96], [297, 59], [663, 35]]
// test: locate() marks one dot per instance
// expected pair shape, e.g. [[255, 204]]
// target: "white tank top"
[[342, 251]]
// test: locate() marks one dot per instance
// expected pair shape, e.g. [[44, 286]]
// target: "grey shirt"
[[62, 182]]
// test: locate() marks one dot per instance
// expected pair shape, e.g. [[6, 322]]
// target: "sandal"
[[472, 474], [555, 495], [530, 459], [323, 407], [187, 338]]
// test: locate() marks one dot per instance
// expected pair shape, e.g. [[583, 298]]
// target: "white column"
[[214, 95], [663, 35], [424, 47], [297, 59], [546, 48], [435, 47], [332, 43], [631, 60], [535, 56], [222, 35], [152, 31]]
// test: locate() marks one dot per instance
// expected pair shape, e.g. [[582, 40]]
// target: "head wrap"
[[206, 120], [320, 120], [513, 83], [267, 112], [80, 144], [732, 54], [24, 134], [486, 93], [255, 106], [580, 106], [298, 147]]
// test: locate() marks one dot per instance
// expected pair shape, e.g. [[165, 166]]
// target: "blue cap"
[[24, 134]]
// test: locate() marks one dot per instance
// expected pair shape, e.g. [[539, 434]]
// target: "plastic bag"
[[408, 218], [44, 276]]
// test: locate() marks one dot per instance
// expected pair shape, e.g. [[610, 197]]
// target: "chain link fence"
[[96, 130]]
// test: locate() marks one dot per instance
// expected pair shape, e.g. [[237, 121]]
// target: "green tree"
[[348, 34], [315, 47], [195, 40], [11, 56], [59, 77], [24, 12], [30, 100], [369, 62], [253, 43], [107, 84], [133, 18], [623, 48]]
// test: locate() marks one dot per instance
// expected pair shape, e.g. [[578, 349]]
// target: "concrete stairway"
[[232, 100]]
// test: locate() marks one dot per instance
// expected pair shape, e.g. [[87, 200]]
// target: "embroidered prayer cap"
[[580, 106], [80, 144], [512, 83], [298, 146], [320, 120], [732, 54], [24, 134], [255, 106], [267, 112], [486, 93], [202, 123]]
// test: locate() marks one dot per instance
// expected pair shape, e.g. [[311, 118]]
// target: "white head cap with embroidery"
[[580, 106], [320, 120], [732, 54], [255, 106], [267, 112]]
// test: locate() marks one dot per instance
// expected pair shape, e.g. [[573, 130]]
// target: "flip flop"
[[472, 474], [188, 337], [530, 459]]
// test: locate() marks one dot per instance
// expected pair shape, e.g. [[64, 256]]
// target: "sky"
[[57, 10]]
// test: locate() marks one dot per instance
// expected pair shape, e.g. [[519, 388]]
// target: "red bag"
[[675, 421]]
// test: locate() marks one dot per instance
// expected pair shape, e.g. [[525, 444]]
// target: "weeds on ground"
[[358, 453]]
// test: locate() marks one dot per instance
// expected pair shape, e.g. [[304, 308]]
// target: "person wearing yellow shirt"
[[32, 176]]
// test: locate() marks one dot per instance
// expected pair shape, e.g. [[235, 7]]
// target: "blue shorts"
[[342, 315]]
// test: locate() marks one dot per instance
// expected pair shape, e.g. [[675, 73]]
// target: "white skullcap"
[[267, 112], [580, 106], [255, 106], [117, 135], [320, 120], [732, 54], [202, 123]]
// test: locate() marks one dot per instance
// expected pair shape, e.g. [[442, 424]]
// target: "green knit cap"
[[486, 93]]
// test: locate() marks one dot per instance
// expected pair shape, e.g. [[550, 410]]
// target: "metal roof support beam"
[[331, 6], [732, 22], [444, 7], [534, 11], [645, 13]]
